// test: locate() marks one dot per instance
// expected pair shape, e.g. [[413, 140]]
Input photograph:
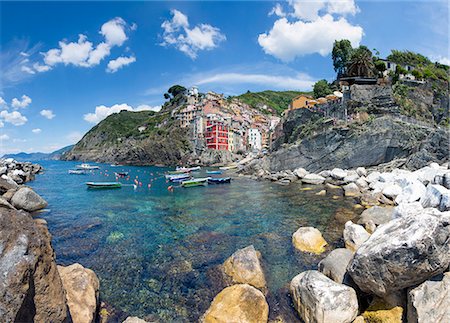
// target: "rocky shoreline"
[[394, 266]]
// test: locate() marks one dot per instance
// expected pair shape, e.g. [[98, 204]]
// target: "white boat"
[[178, 177], [87, 167], [188, 169], [228, 167], [77, 171]]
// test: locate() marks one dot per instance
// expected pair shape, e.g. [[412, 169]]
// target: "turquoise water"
[[157, 252]]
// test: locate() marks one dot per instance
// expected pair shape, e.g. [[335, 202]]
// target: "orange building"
[[301, 102]]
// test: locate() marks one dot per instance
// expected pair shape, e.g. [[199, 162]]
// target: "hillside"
[[56, 155], [274, 102]]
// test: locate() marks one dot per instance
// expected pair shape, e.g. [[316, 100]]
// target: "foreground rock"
[[244, 268], [81, 285], [377, 214], [318, 299], [309, 239], [25, 198], [354, 236], [334, 266], [381, 310], [30, 286], [238, 303], [402, 253], [313, 179], [430, 301]]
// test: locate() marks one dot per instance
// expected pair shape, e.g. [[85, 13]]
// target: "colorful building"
[[216, 134], [301, 102], [254, 139]]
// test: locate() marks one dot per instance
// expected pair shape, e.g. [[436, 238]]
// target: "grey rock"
[[351, 190], [313, 179], [354, 235], [300, 172], [338, 173], [25, 198], [5, 203], [318, 299], [392, 191], [361, 171], [433, 195], [402, 253], [334, 265]]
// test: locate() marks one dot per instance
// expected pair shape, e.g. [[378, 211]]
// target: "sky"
[[65, 66]]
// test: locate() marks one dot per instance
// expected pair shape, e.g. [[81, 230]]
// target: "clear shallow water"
[[157, 253]]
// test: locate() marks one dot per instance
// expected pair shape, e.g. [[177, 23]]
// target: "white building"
[[254, 139]]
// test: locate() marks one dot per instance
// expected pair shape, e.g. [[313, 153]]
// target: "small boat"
[[222, 180], [175, 172], [195, 182], [211, 172], [77, 172], [121, 174], [228, 167], [188, 169], [178, 177], [87, 167], [115, 165], [104, 185]]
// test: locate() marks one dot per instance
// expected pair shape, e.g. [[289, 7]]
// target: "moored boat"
[[219, 180], [77, 172], [195, 182], [87, 167], [104, 185], [228, 167], [211, 172], [178, 177], [121, 174], [188, 169]]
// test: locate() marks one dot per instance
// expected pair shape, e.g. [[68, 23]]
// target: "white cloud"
[[116, 64], [4, 137], [441, 59], [21, 103], [101, 111], [27, 69], [74, 136], [14, 117], [287, 40], [2, 102], [277, 11], [36, 131], [83, 53], [114, 31], [189, 40], [41, 68], [314, 28], [1, 124], [47, 114]]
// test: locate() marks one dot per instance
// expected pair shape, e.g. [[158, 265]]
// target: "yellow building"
[[301, 102]]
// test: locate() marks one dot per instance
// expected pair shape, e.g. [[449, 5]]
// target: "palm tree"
[[361, 63]]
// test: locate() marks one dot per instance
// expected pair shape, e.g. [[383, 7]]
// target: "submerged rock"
[[354, 236], [376, 214], [30, 288], [244, 268], [25, 198], [334, 265], [404, 252], [309, 239], [318, 299], [238, 303], [82, 291], [430, 301]]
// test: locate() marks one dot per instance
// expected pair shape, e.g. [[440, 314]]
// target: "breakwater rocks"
[[394, 267]]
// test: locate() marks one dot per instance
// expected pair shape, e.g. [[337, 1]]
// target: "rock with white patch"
[[318, 299], [300, 172], [338, 173], [433, 195], [313, 179], [406, 209], [361, 171], [351, 190], [392, 191], [411, 193], [373, 177], [354, 235]]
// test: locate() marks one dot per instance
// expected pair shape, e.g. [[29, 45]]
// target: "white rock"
[[300, 172], [325, 173], [338, 173], [433, 195], [361, 171], [406, 209], [318, 299], [386, 177], [378, 187], [445, 202], [373, 177], [313, 179], [411, 193], [354, 235], [362, 183], [3, 170], [351, 178], [351, 190], [435, 166], [392, 191]]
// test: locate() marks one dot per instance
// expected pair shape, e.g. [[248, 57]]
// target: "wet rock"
[[351, 190], [430, 301], [313, 179], [377, 214], [300, 172], [433, 195], [319, 299], [334, 265], [244, 267], [30, 288], [380, 310], [25, 198], [402, 253], [238, 303], [309, 239], [361, 171], [370, 198], [82, 291], [354, 236]]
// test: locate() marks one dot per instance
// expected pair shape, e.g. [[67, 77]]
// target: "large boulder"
[[411, 193], [361, 171], [402, 253], [318, 299], [7, 184], [244, 267], [309, 239], [82, 291], [354, 235], [4, 203], [338, 173], [238, 303], [300, 172], [392, 191], [433, 195], [313, 179], [377, 214], [430, 301], [334, 265], [25, 198], [405, 209], [30, 286]]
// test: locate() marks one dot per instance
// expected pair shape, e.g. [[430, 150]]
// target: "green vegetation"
[[408, 106], [341, 54], [276, 101], [361, 63], [321, 89]]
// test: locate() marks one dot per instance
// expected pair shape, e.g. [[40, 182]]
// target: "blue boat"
[[219, 180], [211, 172]]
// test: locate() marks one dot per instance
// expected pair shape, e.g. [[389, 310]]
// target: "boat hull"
[[195, 182], [103, 185], [219, 180]]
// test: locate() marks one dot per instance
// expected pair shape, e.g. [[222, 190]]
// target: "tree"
[[321, 89], [361, 63], [380, 67], [341, 54], [176, 89]]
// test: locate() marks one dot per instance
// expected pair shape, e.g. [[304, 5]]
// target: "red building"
[[216, 135]]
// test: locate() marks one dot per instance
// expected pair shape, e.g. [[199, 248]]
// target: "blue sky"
[[129, 53]]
